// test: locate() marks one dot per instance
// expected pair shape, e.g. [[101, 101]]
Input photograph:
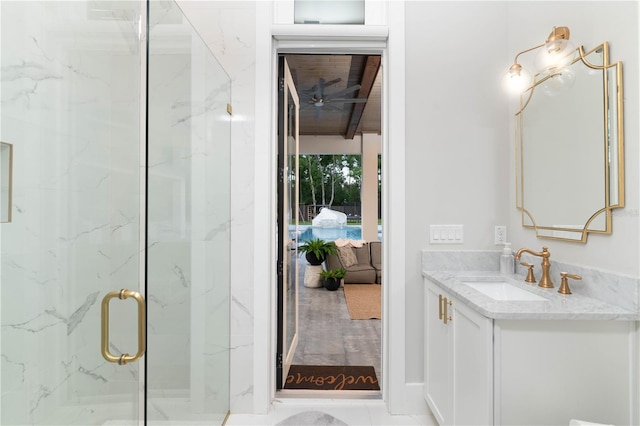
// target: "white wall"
[[457, 137]]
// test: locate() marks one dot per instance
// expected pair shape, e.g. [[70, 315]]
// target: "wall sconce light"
[[550, 63]]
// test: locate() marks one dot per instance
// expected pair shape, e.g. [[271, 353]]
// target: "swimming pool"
[[330, 234]]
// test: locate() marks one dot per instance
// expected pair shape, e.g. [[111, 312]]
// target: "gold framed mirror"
[[570, 148]]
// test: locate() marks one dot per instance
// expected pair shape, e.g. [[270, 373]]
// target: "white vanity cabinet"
[[458, 361], [522, 369], [549, 372]]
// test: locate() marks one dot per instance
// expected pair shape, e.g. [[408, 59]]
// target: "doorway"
[[340, 99], [120, 181]]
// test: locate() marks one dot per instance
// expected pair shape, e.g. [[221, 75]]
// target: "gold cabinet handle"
[[142, 335], [440, 306], [447, 318]]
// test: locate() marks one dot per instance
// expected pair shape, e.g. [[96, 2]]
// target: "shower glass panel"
[[103, 200], [188, 225], [70, 89]]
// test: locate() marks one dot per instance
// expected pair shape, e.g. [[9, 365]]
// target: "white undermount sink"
[[502, 290]]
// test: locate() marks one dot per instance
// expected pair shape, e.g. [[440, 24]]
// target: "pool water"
[[331, 234]]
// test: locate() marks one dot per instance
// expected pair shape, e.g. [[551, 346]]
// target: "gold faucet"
[[545, 281], [530, 277], [564, 286]]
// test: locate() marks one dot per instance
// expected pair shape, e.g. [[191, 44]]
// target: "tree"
[[336, 178], [311, 168]]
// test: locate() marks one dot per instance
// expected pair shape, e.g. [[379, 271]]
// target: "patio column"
[[371, 145]]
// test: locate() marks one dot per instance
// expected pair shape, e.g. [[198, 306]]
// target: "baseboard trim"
[[413, 402]]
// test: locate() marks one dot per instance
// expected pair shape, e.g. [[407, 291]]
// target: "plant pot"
[[331, 284], [313, 259]]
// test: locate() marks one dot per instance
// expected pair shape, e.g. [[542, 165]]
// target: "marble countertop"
[[556, 306]]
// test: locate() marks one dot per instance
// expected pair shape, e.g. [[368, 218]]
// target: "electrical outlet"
[[500, 235]]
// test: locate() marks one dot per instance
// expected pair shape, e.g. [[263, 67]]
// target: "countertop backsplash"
[[485, 260], [619, 290]]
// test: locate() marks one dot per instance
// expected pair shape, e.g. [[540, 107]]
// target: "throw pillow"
[[347, 256]]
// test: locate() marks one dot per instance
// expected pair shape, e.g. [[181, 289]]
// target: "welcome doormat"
[[332, 377]]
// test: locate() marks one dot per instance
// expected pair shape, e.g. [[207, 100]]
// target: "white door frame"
[[388, 41], [287, 350]]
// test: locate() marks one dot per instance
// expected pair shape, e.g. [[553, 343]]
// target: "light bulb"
[[559, 81], [517, 79], [555, 54]]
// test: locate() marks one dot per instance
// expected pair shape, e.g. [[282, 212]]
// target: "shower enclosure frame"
[[118, 114]]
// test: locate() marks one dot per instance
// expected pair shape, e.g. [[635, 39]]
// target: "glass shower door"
[[71, 102], [102, 201], [188, 225]]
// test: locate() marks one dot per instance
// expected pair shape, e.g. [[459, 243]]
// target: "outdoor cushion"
[[347, 256], [362, 253]]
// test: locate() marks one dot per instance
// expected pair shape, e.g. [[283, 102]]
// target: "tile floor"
[[329, 412], [328, 336]]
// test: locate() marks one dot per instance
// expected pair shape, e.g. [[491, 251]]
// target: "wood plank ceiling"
[[339, 94]]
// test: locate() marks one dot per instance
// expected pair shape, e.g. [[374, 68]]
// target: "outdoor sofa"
[[363, 264]]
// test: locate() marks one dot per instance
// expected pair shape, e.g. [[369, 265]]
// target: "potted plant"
[[331, 279], [316, 250]]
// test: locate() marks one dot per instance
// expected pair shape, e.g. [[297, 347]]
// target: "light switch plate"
[[446, 234]]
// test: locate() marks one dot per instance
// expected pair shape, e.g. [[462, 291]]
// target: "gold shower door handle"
[[142, 335]]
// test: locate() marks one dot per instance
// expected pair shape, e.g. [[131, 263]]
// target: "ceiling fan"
[[317, 97]]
